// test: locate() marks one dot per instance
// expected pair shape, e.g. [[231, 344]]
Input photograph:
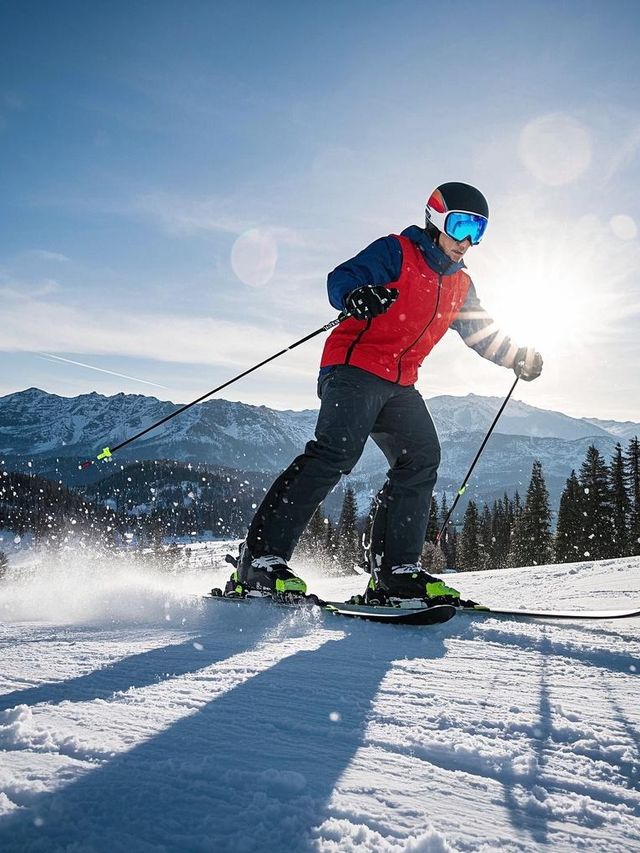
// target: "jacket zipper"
[[435, 311], [355, 342]]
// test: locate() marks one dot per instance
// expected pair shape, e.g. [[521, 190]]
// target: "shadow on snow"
[[252, 770]]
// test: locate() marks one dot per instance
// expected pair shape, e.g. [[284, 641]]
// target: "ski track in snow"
[[146, 719]]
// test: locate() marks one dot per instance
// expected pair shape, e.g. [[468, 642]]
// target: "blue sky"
[[178, 178]]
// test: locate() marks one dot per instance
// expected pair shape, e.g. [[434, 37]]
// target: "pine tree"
[[485, 539], [433, 559], [632, 479], [313, 540], [448, 540], [531, 543], [468, 544], [347, 533], [621, 505], [570, 540], [330, 545], [502, 516], [597, 504], [433, 525], [517, 507]]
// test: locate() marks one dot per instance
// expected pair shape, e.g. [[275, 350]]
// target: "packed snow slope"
[[135, 716]]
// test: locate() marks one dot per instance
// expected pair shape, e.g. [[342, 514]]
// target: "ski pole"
[[463, 487], [108, 452]]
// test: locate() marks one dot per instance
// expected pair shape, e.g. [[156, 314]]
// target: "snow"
[[136, 716]]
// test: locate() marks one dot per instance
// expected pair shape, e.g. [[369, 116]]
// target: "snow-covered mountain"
[[475, 413], [134, 716], [35, 425], [41, 428], [622, 429]]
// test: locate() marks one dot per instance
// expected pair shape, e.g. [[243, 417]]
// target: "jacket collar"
[[433, 255]]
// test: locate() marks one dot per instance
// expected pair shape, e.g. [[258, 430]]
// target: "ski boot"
[[268, 575], [408, 585]]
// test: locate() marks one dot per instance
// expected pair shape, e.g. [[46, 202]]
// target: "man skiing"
[[402, 293]]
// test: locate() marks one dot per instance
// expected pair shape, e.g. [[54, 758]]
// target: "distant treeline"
[[144, 502]]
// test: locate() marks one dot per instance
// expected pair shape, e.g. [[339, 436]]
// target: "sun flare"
[[551, 290]]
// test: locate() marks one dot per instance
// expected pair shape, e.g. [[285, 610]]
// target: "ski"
[[434, 615], [393, 615], [258, 600], [551, 614]]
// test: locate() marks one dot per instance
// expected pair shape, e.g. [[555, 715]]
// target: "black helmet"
[[458, 210]]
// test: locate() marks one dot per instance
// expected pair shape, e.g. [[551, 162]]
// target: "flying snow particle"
[[335, 717], [198, 647]]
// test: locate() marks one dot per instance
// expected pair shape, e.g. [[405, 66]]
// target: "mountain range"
[[49, 434]]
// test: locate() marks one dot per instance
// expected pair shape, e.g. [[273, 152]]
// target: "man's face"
[[452, 248]]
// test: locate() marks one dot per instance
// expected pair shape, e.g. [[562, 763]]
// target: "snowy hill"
[[136, 717]]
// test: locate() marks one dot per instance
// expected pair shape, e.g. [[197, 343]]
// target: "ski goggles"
[[460, 224]]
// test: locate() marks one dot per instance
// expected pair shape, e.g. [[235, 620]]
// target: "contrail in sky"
[[46, 356]]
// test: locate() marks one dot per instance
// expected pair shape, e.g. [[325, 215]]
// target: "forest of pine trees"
[[598, 518]]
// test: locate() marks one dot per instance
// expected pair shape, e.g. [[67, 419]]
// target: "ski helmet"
[[458, 210]]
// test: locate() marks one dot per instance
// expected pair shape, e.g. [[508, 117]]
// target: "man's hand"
[[370, 301], [528, 364]]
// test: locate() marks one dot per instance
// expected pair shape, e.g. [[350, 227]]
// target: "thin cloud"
[[187, 216], [215, 214], [50, 357], [38, 325], [46, 255]]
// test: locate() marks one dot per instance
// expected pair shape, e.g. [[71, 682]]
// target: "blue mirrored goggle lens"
[[459, 226]]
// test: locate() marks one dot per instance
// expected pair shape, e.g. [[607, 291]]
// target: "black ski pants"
[[356, 404]]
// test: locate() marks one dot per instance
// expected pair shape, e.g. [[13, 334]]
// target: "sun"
[[548, 290]]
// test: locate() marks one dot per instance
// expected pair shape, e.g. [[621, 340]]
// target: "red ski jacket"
[[394, 345]]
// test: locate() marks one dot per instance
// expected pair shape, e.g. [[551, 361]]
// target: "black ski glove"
[[370, 301], [527, 364]]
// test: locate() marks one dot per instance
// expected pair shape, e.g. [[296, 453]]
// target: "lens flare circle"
[[624, 227], [555, 148], [254, 256]]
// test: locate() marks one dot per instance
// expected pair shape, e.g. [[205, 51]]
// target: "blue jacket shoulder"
[[379, 263]]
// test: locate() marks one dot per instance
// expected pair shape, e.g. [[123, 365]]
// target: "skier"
[[403, 292]]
